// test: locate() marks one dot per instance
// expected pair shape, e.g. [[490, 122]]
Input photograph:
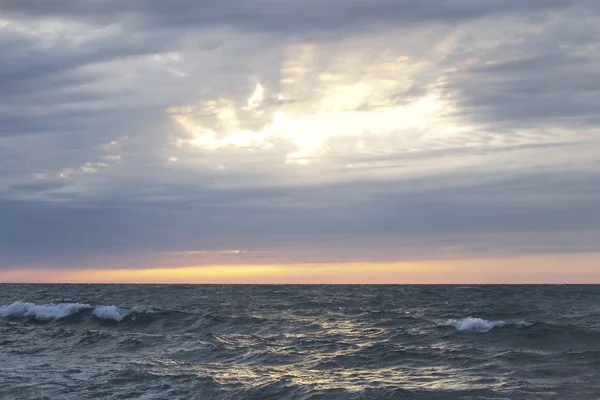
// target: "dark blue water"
[[299, 342]]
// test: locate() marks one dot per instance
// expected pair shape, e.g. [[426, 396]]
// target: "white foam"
[[111, 312], [522, 324], [144, 310], [41, 311], [61, 310], [484, 325], [119, 313], [476, 324]]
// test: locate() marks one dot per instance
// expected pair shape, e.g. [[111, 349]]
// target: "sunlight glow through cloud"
[[352, 105]]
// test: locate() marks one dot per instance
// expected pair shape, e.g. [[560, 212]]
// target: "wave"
[[42, 311], [119, 313], [54, 311], [484, 325]]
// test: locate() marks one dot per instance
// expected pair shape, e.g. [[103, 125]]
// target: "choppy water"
[[299, 342]]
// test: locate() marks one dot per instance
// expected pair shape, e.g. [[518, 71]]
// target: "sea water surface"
[[299, 342]]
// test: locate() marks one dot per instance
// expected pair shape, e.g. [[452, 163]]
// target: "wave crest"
[[484, 325], [119, 313], [42, 311], [111, 312], [53, 311]]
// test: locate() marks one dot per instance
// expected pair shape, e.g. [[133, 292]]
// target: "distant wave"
[[484, 325], [54, 311], [118, 313], [42, 311]]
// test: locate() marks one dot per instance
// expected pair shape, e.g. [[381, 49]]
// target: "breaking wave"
[[54, 311], [484, 325], [119, 313], [42, 311]]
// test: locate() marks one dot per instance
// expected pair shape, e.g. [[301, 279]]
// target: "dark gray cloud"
[[521, 213], [90, 165], [279, 16], [555, 82]]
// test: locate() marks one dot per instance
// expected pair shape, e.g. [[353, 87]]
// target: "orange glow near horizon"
[[533, 269]]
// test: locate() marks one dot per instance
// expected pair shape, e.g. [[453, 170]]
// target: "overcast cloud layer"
[[186, 132]]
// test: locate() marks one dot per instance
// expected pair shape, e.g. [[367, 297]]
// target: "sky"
[[300, 141]]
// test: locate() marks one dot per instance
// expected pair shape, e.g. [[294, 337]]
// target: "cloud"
[[295, 131], [366, 221], [274, 16]]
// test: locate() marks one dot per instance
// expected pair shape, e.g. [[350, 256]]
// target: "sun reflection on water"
[[328, 353]]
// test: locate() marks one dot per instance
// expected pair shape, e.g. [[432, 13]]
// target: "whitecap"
[[144, 310], [484, 325], [62, 310], [41, 311], [119, 313], [111, 312], [522, 324]]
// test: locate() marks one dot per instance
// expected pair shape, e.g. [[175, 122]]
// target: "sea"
[[299, 342]]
